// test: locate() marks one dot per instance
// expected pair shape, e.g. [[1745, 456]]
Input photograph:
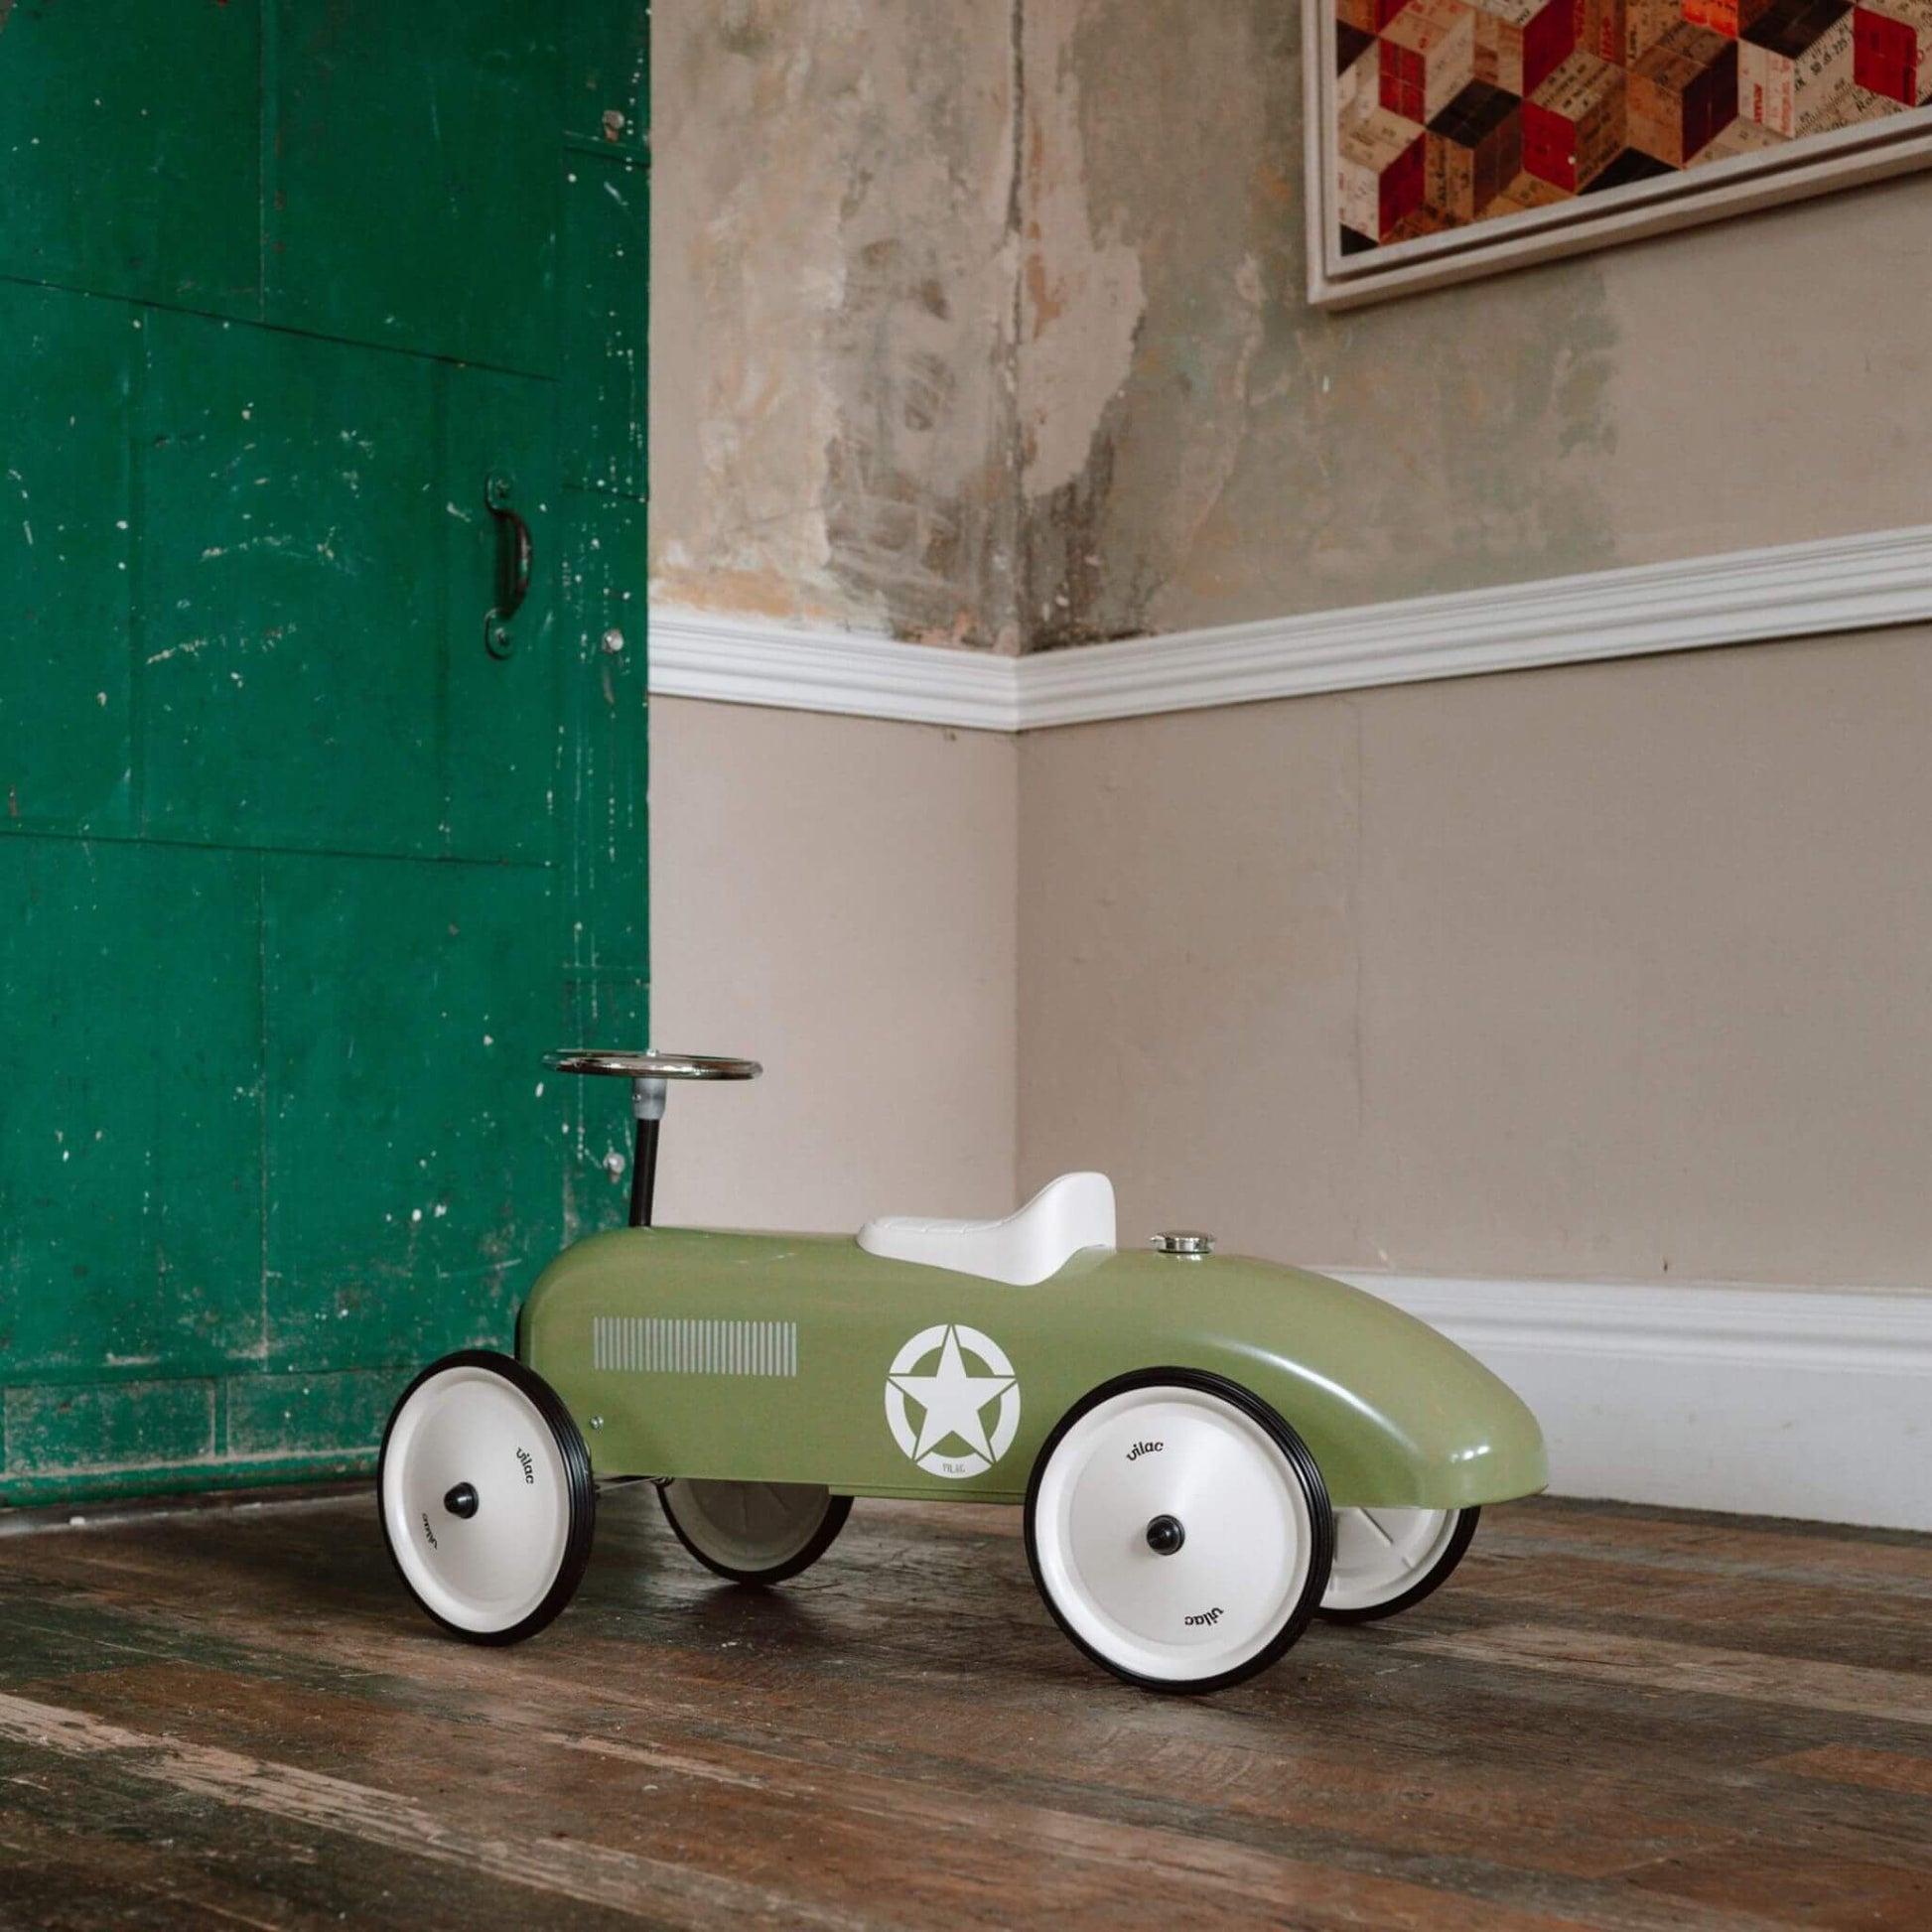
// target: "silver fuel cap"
[[1189, 1242]]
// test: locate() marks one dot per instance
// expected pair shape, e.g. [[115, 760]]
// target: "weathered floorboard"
[[1610, 1717]]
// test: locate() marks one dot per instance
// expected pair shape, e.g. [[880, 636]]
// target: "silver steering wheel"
[[648, 1075]]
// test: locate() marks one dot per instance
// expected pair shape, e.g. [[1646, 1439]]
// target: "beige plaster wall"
[[984, 326], [1610, 972], [836, 898]]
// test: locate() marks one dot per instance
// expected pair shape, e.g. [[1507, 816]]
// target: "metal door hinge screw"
[[612, 640], [614, 1164], [613, 124]]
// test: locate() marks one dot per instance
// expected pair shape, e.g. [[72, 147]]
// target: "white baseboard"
[[1812, 1401], [1799, 590]]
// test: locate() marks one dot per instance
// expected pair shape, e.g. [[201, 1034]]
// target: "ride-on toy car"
[[1209, 1449]]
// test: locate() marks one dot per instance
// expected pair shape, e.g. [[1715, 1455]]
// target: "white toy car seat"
[[1075, 1211]]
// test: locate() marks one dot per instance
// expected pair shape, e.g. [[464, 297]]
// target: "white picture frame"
[[1812, 165]]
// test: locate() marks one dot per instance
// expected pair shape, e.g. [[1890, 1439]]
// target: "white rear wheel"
[[486, 1499], [1388, 1559], [1179, 1530], [754, 1532]]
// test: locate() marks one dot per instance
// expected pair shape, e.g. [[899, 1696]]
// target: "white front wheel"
[[1388, 1559], [1179, 1530], [486, 1499]]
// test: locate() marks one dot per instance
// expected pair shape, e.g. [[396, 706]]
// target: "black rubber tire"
[[837, 1510], [1431, 1581], [577, 1477], [1300, 1461]]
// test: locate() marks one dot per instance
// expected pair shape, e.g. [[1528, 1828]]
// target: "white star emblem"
[[954, 1401]]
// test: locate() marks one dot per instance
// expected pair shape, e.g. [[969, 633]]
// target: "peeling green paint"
[[298, 878], [107, 1425]]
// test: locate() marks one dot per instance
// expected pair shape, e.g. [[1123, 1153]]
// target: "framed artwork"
[[1453, 138]]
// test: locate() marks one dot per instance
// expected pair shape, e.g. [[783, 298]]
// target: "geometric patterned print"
[[659, 1345], [1451, 112]]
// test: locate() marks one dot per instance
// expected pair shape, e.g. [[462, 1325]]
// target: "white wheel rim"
[[1380, 1554], [1219, 1600], [490, 1571], [748, 1526]]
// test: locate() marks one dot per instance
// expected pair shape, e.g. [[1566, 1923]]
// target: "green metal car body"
[[789, 1359]]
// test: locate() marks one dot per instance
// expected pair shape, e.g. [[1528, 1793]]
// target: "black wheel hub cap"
[[1165, 1535]]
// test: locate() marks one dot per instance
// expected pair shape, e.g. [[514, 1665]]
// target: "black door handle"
[[513, 552]]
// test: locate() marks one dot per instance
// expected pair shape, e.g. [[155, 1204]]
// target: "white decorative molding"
[[1747, 596], [756, 660], [1805, 1401], [1838, 583]]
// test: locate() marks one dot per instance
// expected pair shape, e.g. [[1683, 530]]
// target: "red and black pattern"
[[1451, 112]]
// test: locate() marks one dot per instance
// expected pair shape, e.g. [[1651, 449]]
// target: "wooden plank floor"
[[1611, 1717]]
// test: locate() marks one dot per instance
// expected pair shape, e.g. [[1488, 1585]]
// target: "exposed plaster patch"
[[1101, 542], [749, 188], [1080, 295], [1262, 458], [831, 403], [921, 509], [985, 327]]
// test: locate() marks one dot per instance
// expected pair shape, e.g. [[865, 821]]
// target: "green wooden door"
[[302, 864]]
